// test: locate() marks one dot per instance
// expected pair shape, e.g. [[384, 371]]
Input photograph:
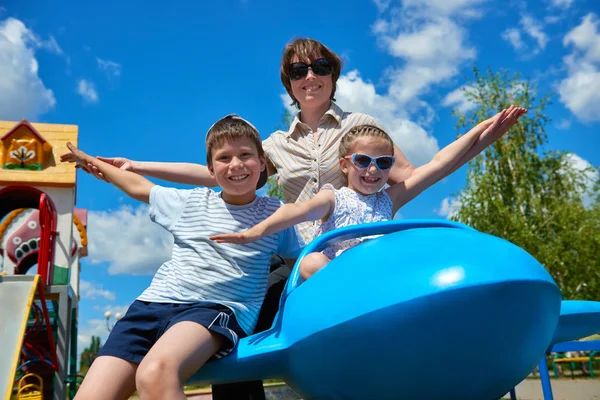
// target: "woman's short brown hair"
[[308, 49]]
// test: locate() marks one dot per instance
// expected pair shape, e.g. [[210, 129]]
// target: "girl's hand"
[[236, 238], [501, 123]]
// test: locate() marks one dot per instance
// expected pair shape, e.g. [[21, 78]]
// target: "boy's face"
[[236, 167]]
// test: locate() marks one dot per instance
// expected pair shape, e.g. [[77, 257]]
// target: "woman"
[[304, 158]]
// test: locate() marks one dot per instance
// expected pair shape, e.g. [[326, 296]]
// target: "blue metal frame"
[[584, 345]]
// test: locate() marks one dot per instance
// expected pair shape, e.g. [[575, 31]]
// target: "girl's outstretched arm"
[[286, 216], [130, 183], [443, 162]]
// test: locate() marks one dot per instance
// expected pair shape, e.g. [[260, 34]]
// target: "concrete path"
[[529, 389], [562, 389]]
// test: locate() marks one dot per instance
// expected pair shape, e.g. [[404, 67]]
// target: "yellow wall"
[[55, 173]]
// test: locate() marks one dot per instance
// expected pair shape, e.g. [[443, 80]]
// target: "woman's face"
[[312, 91]]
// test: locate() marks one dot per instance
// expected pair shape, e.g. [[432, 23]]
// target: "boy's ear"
[[263, 163], [211, 170], [264, 173]]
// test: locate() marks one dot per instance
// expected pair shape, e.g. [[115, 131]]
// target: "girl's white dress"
[[353, 208]]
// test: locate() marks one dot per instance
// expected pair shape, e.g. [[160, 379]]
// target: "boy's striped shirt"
[[202, 270]]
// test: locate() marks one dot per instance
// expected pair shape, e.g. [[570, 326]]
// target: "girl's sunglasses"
[[361, 161], [299, 70]]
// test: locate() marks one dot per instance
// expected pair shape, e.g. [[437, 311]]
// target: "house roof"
[[25, 123]]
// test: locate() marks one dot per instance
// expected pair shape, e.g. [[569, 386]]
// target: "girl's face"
[[312, 91], [371, 179]]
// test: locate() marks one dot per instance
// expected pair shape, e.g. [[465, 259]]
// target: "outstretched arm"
[[286, 216], [446, 160], [186, 173], [486, 139], [132, 184], [402, 168]]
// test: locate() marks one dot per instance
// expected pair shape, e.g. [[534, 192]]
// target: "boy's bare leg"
[[109, 378], [176, 356], [312, 263]]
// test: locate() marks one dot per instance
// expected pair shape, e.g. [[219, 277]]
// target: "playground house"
[[39, 226]]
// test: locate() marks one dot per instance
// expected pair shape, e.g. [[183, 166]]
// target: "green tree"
[[273, 188], [531, 197], [88, 355]]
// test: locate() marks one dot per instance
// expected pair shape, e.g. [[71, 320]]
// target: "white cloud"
[[513, 36], [551, 19], [585, 38], [447, 8], [449, 207], [87, 90], [459, 100], [563, 124], [51, 45], [580, 90], [93, 327], [530, 27], [128, 241], [429, 38], [111, 68], [23, 94], [93, 291], [534, 29], [433, 53], [382, 5], [591, 176], [561, 3]]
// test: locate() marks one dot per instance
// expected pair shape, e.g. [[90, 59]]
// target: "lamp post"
[[107, 316]]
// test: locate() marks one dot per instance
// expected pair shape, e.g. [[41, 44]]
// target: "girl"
[[366, 158]]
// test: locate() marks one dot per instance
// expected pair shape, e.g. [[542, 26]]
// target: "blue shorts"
[[145, 322]]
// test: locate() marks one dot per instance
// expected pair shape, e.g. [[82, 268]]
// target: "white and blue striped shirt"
[[202, 270]]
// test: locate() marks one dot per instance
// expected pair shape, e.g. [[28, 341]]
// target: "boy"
[[207, 295]]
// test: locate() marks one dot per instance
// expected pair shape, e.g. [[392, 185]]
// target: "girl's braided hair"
[[360, 131]]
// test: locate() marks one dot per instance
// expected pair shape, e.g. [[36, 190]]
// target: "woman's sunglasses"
[[361, 161], [299, 70]]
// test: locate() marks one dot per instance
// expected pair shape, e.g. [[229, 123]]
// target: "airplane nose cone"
[[436, 313]]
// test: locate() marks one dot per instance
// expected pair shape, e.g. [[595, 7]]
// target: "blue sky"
[[145, 80]]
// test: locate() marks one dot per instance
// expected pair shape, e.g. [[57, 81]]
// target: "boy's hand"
[[237, 238], [119, 162], [77, 156]]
